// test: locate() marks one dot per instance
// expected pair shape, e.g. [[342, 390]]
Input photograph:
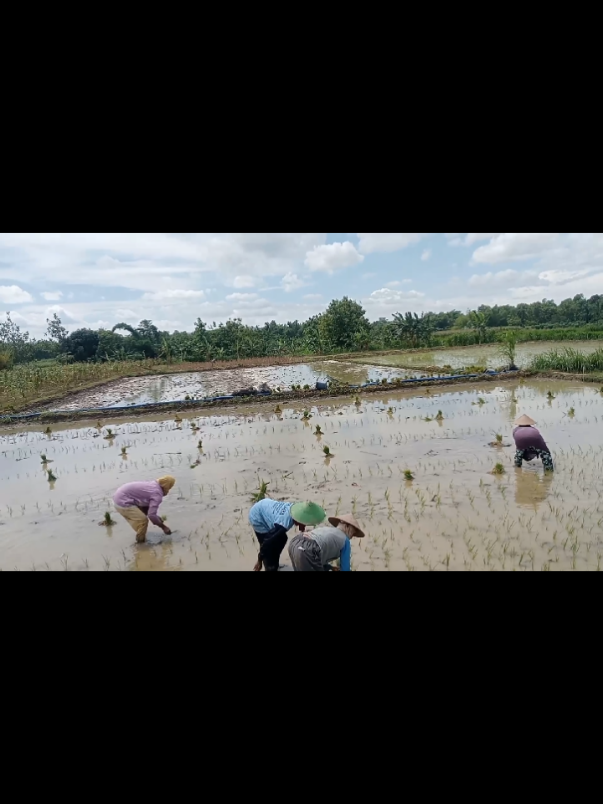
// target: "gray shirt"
[[332, 542]]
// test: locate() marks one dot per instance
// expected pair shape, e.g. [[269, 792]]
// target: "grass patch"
[[570, 361]]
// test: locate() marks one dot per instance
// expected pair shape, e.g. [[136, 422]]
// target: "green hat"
[[308, 513]]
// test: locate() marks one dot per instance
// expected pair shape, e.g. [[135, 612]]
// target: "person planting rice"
[[139, 503], [272, 520], [530, 444], [314, 552]]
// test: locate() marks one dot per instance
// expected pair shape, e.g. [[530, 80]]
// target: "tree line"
[[343, 327]]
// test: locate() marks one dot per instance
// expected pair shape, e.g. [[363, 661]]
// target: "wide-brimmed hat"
[[167, 483], [308, 513], [524, 421], [348, 519]]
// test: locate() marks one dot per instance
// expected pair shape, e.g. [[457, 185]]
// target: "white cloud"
[[426, 255], [12, 294], [241, 282], [313, 296], [239, 297], [333, 258], [387, 241], [517, 246], [561, 277], [65, 315], [469, 239], [506, 278], [397, 283], [131, 260], [292, 282], [52, 296], [395, 296], [173, 295]]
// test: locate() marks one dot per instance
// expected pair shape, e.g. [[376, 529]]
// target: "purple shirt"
[[142, 495], [528, 439]]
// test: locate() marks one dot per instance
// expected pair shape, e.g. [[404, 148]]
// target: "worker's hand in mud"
[[258, 567], [167, 531], [335, 569]]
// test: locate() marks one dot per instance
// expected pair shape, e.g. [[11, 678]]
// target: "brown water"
[[455, 515], [488, 356], [198, 385]]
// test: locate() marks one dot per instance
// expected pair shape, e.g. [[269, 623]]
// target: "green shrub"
[[6, 360]]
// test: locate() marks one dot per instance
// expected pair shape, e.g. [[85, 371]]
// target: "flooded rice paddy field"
[[488, 356], [198, 385], [455, 515]]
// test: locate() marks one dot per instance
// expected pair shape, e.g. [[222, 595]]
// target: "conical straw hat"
[[348, 519], [525, 421], [307, 513]]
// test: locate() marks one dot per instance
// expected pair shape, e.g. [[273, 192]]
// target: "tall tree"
[[81, 345], [345, 324], [55, 331]]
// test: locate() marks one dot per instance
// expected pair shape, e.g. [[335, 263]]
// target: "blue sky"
[[98, 279]]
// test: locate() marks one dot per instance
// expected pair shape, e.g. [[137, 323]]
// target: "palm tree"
[[412, 328]]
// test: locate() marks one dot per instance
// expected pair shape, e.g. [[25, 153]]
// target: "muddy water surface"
[[198, 385], [488, 356], [454, 515]]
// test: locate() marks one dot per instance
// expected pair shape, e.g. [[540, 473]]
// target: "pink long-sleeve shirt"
[[142, 495]]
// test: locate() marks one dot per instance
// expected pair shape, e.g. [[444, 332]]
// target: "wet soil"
[[455, 515], [199, 385]]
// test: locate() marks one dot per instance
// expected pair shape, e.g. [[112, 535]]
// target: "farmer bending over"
[[139, 503], [272, 520], [530, 444], [315, 551]]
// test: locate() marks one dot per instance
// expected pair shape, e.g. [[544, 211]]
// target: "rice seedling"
[[48, 431], [358, 402], [45, 460], [306, 387], [550, 396], [440, 416], [499, 438], [499, 469], [307, 415], [177, 419], [200, 445], [124, 452], [390, 411], [571, 413], [51, 476], [408, 475], [107, 521], [110, 435], [261, 494], [278, 410]]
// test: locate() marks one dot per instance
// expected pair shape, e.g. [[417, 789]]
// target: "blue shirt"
[[267, 514]]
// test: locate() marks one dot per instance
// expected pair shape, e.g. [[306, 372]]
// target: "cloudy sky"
[[172, 278]]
